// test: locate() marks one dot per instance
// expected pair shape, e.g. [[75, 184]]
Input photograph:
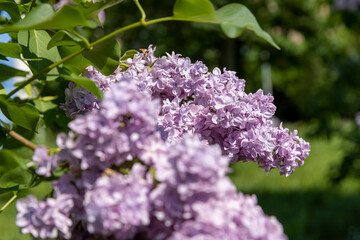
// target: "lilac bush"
[[150, 161]]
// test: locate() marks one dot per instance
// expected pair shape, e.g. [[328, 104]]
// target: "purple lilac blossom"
[[191, 197], [196, 200], [215, 105], [44, 162], [191, 172], [118, 204], [45, 219], [114, 133], [235, 217], [78, 100], [98, 202]]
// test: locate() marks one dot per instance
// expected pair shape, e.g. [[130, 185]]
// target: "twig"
[[20, 138]]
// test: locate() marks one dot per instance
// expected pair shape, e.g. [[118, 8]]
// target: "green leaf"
[[235, 18], [13, 171], [34, 44], [105, 56], [85, 83], [7, 162], [11, 8], [10, 50], [44, 17], [22, 114], [25, 115], [63, 38], [77, 64], [9, 72], [10, 161], [93, 10], [44, 106], [197, 10], [128, 54]]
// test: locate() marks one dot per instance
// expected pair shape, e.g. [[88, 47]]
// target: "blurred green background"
[[315, 80]]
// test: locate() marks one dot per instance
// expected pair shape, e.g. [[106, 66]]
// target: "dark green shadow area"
[[314, 215]]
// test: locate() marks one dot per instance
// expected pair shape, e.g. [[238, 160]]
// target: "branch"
[[20, 138]]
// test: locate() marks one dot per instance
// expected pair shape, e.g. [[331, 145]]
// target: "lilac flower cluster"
[[215, 105], [78, 100], [45, 219], [125, 182], [114, 133]]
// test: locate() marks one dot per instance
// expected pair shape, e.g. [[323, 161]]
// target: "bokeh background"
[[315, 79]]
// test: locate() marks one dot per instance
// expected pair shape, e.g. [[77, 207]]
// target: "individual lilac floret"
[[78, 100], [114, 133], [118, 204], [44, 162], [236, 217], [45, 219]]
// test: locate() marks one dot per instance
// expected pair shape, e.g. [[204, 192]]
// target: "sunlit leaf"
[[199, 10], [34, 44], [10, 50], [235, 18], [128, 54], [44, 17]]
